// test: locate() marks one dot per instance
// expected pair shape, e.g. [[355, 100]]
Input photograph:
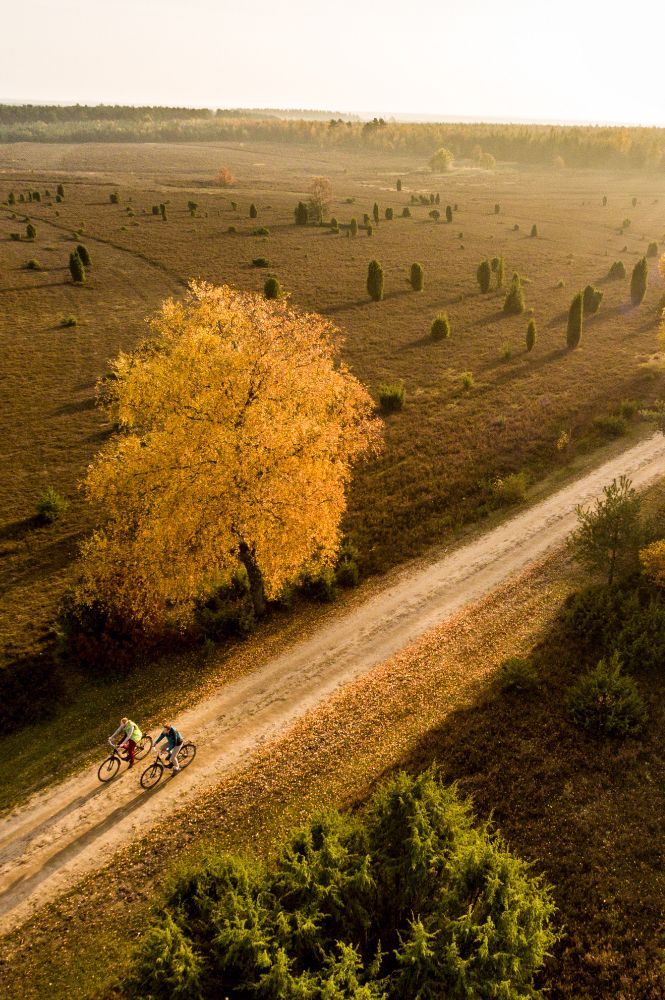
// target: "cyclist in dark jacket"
[[173, 743]]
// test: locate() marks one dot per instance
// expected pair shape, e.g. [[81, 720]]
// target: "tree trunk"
[[257, 593]]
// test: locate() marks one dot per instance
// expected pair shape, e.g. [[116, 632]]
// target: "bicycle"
[[153, 774], [110, 767]]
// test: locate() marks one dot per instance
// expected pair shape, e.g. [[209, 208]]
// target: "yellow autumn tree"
[[239, 428]]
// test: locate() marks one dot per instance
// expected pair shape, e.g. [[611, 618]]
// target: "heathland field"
[[445, 450]]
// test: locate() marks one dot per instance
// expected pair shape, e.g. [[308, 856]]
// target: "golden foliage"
[[239, 427], [320, 197], [225, 178], [653, 562]]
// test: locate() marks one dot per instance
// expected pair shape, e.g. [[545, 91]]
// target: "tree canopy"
[[238, 428]]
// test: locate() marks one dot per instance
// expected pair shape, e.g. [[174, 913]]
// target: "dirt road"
[[49, 843]]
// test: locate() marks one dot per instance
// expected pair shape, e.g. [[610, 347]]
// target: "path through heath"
[[72, 828]]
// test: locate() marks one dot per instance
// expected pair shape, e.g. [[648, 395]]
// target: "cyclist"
[[133, 735], [173, 743]]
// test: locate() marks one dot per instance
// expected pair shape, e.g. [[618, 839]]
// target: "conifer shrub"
[[431, 199], [516, 674], [625, 223], [435, 214], [50, 506], [389, 215], [366, 219], [417, 277], [391, 398], [607, 702], [449, 214], [370, 229], [575, 320], [638, 281], [484, 276], [466, 379], [334, 224], [60, 191], [253, 211], [21, 198], [652, 249], [33, 265], [82, 251], [271, 287], [155, 209], [437, 200], [455, 207], [406, 212], [604, 200], [399, 184], [514, 301], [414, 200], [191, 207], [531, 335], [506, 350], [302, 214], [234, 206], [30, 231], [375, 213], [320, 586], [592, 297], [534, 229], [353, 227], [228, 610], [11, 199], [30, 196], [375, 279], [634, 202], [68, 321], [114, 198], [440, 328], [76, 267], [262, 262], [262, 231], [410, 899], [497, 267], [36, 196], [346, 570], [232, 229], [516, 227], [47, 193], [617, 270], [15, 236], [497, 209]]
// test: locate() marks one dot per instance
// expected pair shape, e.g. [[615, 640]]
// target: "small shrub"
[[617, 270], [366, 219], [604, 200], [227, 611], [58, 198], [417, 277], [607, 702], [262, 231], [638, 281], [591, 299], [76, 267], [516, 227], [628, 408], [440, 328], [232, 229], [11, 200], [252, 211], [346, 571], [321, 586], [15, 236], [634, 202], [50, 506], [435, 214], [625, 223], [192, 206], [30, 231], [652, 249], [449, 214], [431, 199], [389, 215], [512, 489], [517, 674], [531, 335], [375, 279], [353, 228], [514, 301], [437, 200], [534, 230], [466, 379], [261, 262], [612, 424], [36, 196], [155, 209], [497, 209], [272, 288], [399, 184], [406, 212], [334, 224], [375, 213], [370, 230], [68, 321], [506, 350], [484, 276], [114, 198], [301, 213], [575, 321], [391, 397], [33, 265], [82, 251]]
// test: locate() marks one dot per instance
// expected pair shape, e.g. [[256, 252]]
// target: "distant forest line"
[[578, 145]]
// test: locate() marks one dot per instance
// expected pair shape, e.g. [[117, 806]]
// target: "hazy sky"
[[563, 59]]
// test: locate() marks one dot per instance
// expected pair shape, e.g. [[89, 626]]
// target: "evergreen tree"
[[484, 276], [82, 251], [60, 191], [399, 184], [497, 209], [114, 198], [449, 214], [591, 299], [638, 281], [417, 277], [12, 198], [531, 335], [353, 228], [634, 202], [30, 231], [534, 230], [76, 267], [375, 213], [497, 267], [652, 249], [437, 200], [252, 211], [440, 328], [575, 320], [272, 288], [375, 280], [301, 214], [514, 303], [406, 212], [604, 200], [365, 219], [389, 215], [370, 230], [617, 270]]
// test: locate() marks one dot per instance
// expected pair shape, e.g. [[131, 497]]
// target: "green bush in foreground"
[[417, 277], [440, 328], [391, 397], [408, 901], [466, 379], [50, 506], [607, 702], [517, 674], [272, 288], [374, 279], [512, 489]]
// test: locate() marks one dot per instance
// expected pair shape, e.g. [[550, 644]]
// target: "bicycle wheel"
[[108, 768], [152, 774], [186, 755], [143, 748]]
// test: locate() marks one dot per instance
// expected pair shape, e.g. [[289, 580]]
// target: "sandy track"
[[62, 833]]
